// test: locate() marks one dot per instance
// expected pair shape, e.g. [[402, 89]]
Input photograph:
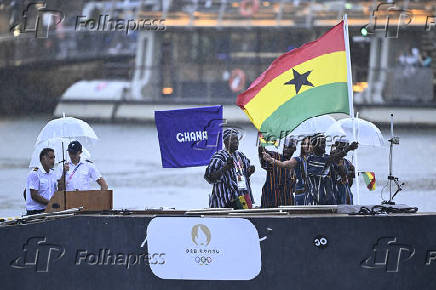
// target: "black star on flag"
[[299, 80]]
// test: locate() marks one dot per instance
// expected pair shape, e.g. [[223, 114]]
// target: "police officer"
[[41, 183], [78, 173]]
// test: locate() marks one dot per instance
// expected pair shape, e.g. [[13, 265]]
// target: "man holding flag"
[[229, 172]]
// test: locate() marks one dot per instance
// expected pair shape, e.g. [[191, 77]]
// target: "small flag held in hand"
[[369, 178]]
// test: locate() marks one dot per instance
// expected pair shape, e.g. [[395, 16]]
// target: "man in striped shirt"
[[319, 169], [229, 172], [343, 175]]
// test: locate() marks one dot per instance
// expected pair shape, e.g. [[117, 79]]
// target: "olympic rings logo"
[[203, 260]]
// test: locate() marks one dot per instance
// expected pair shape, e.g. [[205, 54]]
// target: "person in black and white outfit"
[[229, 172]]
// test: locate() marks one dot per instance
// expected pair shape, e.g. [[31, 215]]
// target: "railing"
[[221, 84], [399, 84], [303, 13], [67, 45]]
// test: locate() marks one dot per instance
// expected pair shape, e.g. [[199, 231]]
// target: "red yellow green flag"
[[305, 82], [264, 142], [369, 178], [243, 202]]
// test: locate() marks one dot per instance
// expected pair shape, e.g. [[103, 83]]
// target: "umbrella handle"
[[64, 176], [356, 166]]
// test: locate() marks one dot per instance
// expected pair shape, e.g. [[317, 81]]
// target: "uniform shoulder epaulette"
[[35, 169], [89, 161]]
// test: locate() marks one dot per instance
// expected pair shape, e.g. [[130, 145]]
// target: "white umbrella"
[[56, 145], [313, 126], [367, 133], [309, 127], [68, 127]]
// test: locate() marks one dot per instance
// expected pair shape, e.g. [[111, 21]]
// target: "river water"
[[128, 156]]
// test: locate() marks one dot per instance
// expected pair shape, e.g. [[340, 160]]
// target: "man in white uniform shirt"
[[41, 183], [79, 173]]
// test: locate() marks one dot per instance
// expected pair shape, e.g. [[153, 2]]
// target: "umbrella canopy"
[[366, 132], [313, 126], [309, 127], [56, 145], [67, 127]]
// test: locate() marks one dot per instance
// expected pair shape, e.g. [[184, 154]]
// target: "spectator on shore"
[[425, 59]]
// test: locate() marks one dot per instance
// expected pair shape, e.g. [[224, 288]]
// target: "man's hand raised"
[[267, 157], [353, 146]]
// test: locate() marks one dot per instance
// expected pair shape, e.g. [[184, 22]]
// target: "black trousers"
[[35, 211]]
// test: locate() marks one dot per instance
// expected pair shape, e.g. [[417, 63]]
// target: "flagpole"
[[350, 101], [356, 172], [349, 74]]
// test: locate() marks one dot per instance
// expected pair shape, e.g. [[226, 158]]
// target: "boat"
[[310, 247]]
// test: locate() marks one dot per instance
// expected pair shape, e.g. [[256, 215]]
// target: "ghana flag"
[[305, 82], [369, 178]]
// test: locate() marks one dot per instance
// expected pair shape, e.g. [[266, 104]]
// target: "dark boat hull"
[[355, 252]]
